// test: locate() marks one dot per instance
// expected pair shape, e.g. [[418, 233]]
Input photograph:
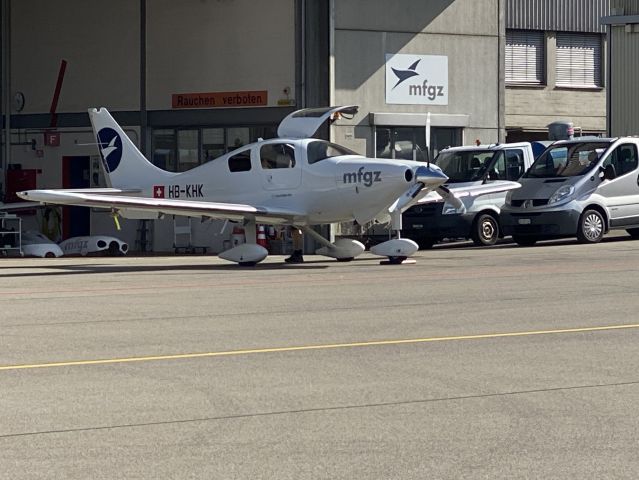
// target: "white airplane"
[[290, 180]]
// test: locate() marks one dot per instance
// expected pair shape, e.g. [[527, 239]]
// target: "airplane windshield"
[[464, 166], [567, 160], [321, 150]]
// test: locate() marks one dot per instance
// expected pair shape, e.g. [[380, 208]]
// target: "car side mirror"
[[609, 172]]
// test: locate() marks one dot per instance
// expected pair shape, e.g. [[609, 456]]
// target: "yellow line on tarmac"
[[315, 347]]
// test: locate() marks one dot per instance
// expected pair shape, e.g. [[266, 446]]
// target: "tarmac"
[[499, 362]]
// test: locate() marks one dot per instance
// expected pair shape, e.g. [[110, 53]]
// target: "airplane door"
[[281, 166]]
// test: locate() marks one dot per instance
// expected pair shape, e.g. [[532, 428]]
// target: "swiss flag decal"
[[158, 191]]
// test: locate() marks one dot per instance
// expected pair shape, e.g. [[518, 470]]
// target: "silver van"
[[576, 188]]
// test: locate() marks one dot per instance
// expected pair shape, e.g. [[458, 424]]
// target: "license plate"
[[524, 221]]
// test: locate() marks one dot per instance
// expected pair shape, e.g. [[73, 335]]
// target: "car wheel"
[[633, 232], [524, 241], [426, 243], [485, 230], [49, 255], [591, 227]]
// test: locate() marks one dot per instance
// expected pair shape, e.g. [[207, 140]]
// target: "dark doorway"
[[76, 221]]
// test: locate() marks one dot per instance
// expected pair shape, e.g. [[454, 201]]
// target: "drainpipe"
[[6, 88]]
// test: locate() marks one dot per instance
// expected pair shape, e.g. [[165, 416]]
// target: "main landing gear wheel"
[[591, 227], [485, 230], [347, 259]]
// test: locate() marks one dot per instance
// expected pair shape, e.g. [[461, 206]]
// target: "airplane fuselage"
[[332, 189]]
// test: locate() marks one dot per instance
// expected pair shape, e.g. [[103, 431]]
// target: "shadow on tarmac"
[[87, 268]]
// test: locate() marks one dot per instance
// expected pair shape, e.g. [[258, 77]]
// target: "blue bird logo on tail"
[[404, 75], [110, 145]]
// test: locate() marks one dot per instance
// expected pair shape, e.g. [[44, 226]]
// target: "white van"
[[479, 177], [577, 188]]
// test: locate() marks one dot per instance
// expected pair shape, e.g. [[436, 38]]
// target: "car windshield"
[[567, 160], [464, 165]]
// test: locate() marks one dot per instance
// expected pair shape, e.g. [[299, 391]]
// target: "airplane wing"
[[453, 194], [231, 211]]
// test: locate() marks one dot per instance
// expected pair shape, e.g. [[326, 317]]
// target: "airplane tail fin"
[[124, 164]]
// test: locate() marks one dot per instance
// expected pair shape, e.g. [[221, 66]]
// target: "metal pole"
[[6, 88], [143, 113]]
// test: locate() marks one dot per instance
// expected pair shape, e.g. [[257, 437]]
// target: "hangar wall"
[[99, 44], [204, 46], [191, 45]]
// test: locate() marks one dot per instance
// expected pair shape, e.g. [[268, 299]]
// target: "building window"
[[525, 57], [578, 60], [188, 144], [409, 143], [164, 146], [179, 150]]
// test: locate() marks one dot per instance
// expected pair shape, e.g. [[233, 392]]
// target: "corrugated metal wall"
[[558, 15], [624, 71]]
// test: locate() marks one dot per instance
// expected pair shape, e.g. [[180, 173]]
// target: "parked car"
[[577, 188], [35, 244], [94, 244]]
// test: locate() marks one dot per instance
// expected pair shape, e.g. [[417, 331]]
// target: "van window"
[[514, 164], [464, 165], [623, 158], [567, 160], [277, 155]]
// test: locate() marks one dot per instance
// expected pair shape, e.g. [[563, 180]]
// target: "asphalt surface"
[[503, 362]]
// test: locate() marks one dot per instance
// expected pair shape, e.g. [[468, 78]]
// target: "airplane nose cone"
[[430, 176]]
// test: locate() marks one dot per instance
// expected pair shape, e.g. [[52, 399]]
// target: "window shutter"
[[578, 60], [525, 57]]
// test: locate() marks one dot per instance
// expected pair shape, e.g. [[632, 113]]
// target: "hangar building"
[[194, 79]]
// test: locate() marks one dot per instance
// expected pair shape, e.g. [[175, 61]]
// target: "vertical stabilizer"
[[124, 164]]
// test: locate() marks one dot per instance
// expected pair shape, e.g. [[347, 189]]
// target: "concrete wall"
[[466, 31], [533, 108]]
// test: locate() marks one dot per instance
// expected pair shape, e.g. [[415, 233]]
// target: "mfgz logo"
[[425, 90], [416, 79], [366, 178]]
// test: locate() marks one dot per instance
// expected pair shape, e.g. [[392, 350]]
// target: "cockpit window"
[[321, 150], [277, 155], [240, 162]]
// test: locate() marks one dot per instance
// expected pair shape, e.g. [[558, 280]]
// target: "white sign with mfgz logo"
[[416, 79]]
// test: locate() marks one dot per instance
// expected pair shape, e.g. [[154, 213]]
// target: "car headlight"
[[562, 193], [509, 197]]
